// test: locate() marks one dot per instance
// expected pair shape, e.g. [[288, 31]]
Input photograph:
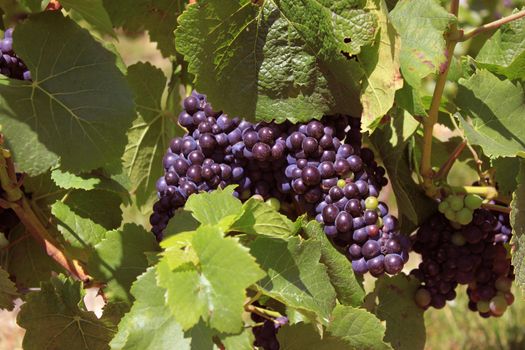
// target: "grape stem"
[[267, 314], [490, 26], [495, 207], [445, 168], [431, 120], [488, 192], [473, 152]]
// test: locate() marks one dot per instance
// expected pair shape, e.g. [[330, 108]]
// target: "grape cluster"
[[460, 208], [10, 64], [266, 334], [318, 168], [473, 255]]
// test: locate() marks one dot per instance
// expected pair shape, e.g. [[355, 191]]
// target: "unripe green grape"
[[458, 239], [498, 305], [450, 214], [503, 284], [258, 197], [464, 216], [379, 222], [473, 201], [274, 203], [483, 306], [443, 206], [371, 203], [341, 183], [455, 202], [423, 297]]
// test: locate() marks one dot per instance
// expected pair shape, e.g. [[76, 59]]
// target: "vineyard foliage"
[[83, 142]]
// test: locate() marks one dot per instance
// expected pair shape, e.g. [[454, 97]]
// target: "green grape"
[[498, 305], [455, 202], [450, 214], [458, 239], [371, 203], [473, 201], [483, 306], [341, 183], [443, 206], [258, 197], [503, 284], [379, 222], [274, 203], [464, 216]]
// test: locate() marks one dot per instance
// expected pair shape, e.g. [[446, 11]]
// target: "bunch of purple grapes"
[[473, 255], [10, 64], [318, 168]]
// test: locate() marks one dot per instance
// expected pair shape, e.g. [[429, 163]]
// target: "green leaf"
[[303, 336], [421, 25], [208, 290], [392, 143], [150, 134], [55, 316], [517, 221], [405, 326], [277, 60], [339, 269], [8, 292], [149, 325], [28, 261], [78, 107], [504, 52], [492, 123], [92, 12], [506, 173], [182, 221], [69, 180], [381, 65], [158, 17], [241, 341], [119, 258], [358, 328], [212, 208], [85, 216], [295, 276], [259, 218]]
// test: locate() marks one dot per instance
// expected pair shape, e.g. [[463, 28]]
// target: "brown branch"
[[445, 168], [491, 25], [495, 207]]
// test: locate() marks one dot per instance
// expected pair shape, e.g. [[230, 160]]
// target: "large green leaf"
[[149, 325], [504, 52], [150, 134], [8, 292], [78, 107], [215, 207], [259, 218], [421, 25], [405, 326], [517, 220], [381, 65], [55, 318], [213, 289], [158, 17], [119, 258], [302, 336], [348, 289], [278, 59], [295, 276], [392, 143], [492, 123], [93, 12]]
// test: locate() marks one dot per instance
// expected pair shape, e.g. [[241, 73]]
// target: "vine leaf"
[[149, 325], [295, 276], [381, 65], [93, 12], [78, 107], [504, 52], [55, 317], [119, 258], [158, 17], [405, 326], [392, 142], [421, 25], [517, 220], [259, 218], [208, 290], [28, 261], [348, 289], [278, 60], [8, 292], [303, 336], [492, 123], [217, 207]]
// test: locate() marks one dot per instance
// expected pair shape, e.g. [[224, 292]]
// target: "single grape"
[[503, 284], [455, 202], [483, 306], [393, 263], [473, 201], [464, 216], [371, 249], [498, 305], [443, 207], [423, 297], [371, 203]]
